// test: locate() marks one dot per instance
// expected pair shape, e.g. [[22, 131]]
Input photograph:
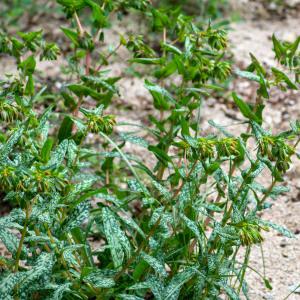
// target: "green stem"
[[24, 231], [144, 244], [247, 256], [124, 157]]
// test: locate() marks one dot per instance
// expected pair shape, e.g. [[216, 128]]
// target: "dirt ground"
[[252, 34]]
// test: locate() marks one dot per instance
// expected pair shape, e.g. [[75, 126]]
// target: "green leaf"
[[65, 130], [155, 264], [99, 82], [171, 48], [99, 19], [263, 87], [284, 231], [173, 289], [249, 75], [11, 242], [280, 76], [160, 154], [220, 128], [96, 278], [118, 243], [58, 155], [229, 291], [160, 95], [256, 66], [77, 216], [7, 148], [29, 88], [81, 90], [192, 226], [278, 47], [147, 61], [28, 65], [268, 284], [245, 109], [46, 150], [129, 297], [72, 5], [59, 291], [163, 191]]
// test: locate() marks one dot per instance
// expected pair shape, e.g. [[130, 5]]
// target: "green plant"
[[168, 232]]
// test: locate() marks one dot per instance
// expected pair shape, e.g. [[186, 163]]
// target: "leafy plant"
[[171, 231]]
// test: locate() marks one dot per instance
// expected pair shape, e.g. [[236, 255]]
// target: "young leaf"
[[245, 109]]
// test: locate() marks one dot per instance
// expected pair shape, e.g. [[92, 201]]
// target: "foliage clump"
[[168, 232]]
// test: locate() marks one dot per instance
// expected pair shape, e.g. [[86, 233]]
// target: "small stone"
[[282, 244]]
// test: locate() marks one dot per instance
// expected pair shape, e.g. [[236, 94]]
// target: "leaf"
[[99, 82], [220, 128], [160, 95], [40, 272], [278, 48], [28, 65], [173, 289], [58, 155], [8, 146], [229, 291], [29, 89], [46, 150], [8, 283], [255, 65], [96, 278], [280, 76], [155, 264], [134, 139], [263, 88], [160, 154], [249, 75], [245, 109], [171, 48], [152, 283], [77, 216], [99, 18], [268, 284], [72, 5], [284, 231], [131, 223], [129, 297], [68, 255], [11, 242], [60, 290], [81, 90], [192, 226], [65, 130], [118, 243], [147, 61], [163, 191]]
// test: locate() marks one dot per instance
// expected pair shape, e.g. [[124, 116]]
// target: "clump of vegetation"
[[168, 232]]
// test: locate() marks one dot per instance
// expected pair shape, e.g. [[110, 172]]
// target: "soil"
[[253, 34]]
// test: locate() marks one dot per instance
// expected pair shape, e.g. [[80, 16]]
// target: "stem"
[[87, 62], [292, 292], [247, 256], [144, 244], [24, 231], [108, 56], [263, 259], [80, 28], [124, 157]]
